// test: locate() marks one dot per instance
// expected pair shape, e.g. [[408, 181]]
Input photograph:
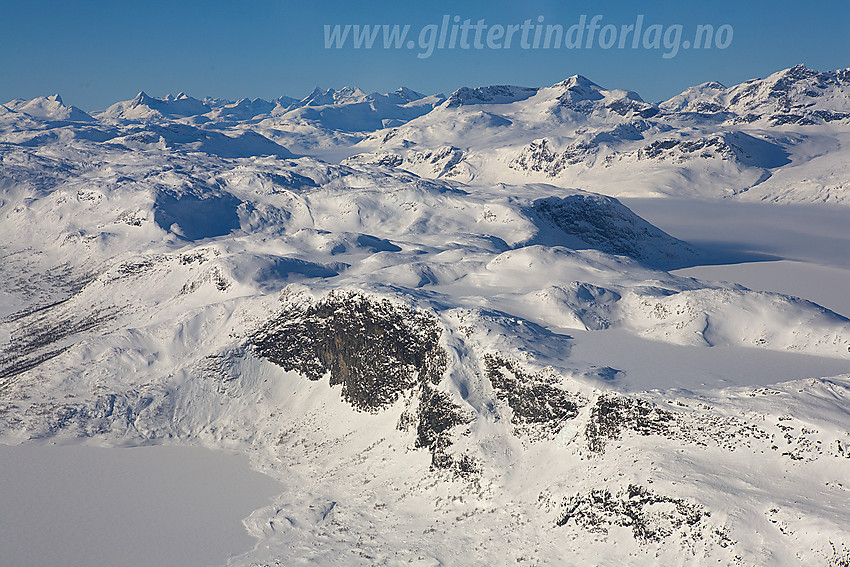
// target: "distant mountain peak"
[[408, 94], [144, 106], [577, 81], [494, 94], [49, 108], [142, 99]]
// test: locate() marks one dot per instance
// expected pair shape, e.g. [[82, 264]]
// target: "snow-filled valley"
[[534, 326]]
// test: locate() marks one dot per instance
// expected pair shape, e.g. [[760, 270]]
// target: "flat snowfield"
[[83, 506], [793, 249], [797, 250], [644, 364]]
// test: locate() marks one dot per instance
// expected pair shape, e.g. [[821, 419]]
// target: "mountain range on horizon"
[[707, 97], [752, 139]]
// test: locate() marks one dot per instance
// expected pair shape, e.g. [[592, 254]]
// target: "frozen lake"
[[89, 506], [799, 250], [650, 365]]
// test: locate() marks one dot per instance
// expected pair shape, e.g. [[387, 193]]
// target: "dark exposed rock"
[[378, 350], [390, 160], [434, 419], [652, 517], [539, 407], [607, 225], [375, 348], [444, 160], [706, 148], [539, 156], [830, 115], [612, 413], [840, 555]]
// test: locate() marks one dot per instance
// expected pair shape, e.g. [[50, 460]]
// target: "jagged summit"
[[345, 95], [142, 99], [408, 94], [580, 93], [573, 128], [797, 95], [145, 107], [354, 95]]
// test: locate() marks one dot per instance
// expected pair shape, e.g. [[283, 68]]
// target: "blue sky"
[[96, 53]]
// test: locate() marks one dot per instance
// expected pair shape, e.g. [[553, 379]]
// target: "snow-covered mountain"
[[783, 138], [708, 141], [354, 111], [44, 108], [396, 337], [793, 96], [145, 107], [324, 121]]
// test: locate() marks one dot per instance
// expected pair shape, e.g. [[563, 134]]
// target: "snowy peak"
[[49, 108], [146, 107], [345, 95], [350, 110], [354, 95], [142, 99], [580, 87], [243, 109], [495, 94], [348, 95], [407, 94], [700, 98], [576, 93], [582, 95], [284, 101], [794, 96]]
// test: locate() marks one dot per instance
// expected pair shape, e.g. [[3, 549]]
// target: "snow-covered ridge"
[[47, 108], [793, 96]]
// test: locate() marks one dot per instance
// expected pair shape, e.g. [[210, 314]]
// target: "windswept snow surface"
[[443, 364]]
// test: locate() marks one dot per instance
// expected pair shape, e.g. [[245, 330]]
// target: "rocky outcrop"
[[375, 349]]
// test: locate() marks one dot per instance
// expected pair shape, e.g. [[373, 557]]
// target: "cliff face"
[[376, 350]]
